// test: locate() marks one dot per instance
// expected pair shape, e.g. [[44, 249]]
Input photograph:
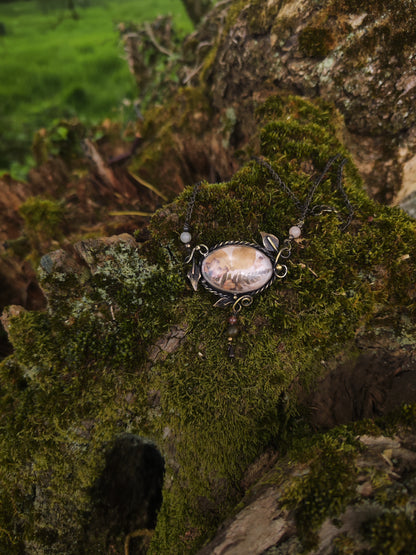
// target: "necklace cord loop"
[[305, 208]]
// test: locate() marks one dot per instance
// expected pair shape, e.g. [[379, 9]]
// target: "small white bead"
[[186, 237], [295, 232]]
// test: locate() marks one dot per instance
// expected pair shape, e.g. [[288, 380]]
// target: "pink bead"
[[295, 232]]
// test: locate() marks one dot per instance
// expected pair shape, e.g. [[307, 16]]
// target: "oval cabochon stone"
[[237, 269]]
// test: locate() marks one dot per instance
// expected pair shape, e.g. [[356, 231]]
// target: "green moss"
[[320, 475], [355, 6], [316, 42], [183, 114], [261, 17], [403, 418], [54, 440], [318, 479], [407, 416], [396, 34], [234, 12], [42, 217], [208, 63], [324, 491], [344, 545], [44, 226], [74, 383], [393, 533]]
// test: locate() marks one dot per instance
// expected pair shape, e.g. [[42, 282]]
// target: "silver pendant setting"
[[236, 271]]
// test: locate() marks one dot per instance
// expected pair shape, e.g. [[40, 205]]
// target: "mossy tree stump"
[[126, 346], [125, 353]]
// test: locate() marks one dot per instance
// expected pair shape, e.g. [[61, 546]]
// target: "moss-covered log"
[[351, 490], [127, 363], [126, 347]]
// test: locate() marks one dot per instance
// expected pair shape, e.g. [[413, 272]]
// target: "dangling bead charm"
[[233, 330], [185, 236], [232, 320], [232, 333]]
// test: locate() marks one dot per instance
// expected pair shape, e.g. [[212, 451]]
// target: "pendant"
[[236, 271]]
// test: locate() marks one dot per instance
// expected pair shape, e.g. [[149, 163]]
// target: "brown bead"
[[232, 331], [232, 320]]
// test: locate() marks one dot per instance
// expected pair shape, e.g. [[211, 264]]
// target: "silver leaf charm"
[[223, 302], [194, 275], [270, 242]]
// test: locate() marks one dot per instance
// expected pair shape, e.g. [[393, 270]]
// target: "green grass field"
[[54, 67]]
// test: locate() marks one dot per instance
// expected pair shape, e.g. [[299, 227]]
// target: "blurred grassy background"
[[53, 66]]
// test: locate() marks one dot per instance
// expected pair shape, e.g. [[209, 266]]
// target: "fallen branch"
[[148, 186], [130, 213], [103, 171]]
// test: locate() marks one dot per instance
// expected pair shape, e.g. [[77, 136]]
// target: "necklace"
[[236, 271]]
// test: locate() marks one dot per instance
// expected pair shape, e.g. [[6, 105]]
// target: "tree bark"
[[196, 9], [72, 9]]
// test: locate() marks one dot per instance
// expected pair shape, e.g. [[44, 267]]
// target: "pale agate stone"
[[237, 269], [295, 232], [185, 237]]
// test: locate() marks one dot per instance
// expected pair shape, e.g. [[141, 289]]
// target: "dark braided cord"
[[312, 190], [306, 207], [190, 206], [344, 194], [279, 181]]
